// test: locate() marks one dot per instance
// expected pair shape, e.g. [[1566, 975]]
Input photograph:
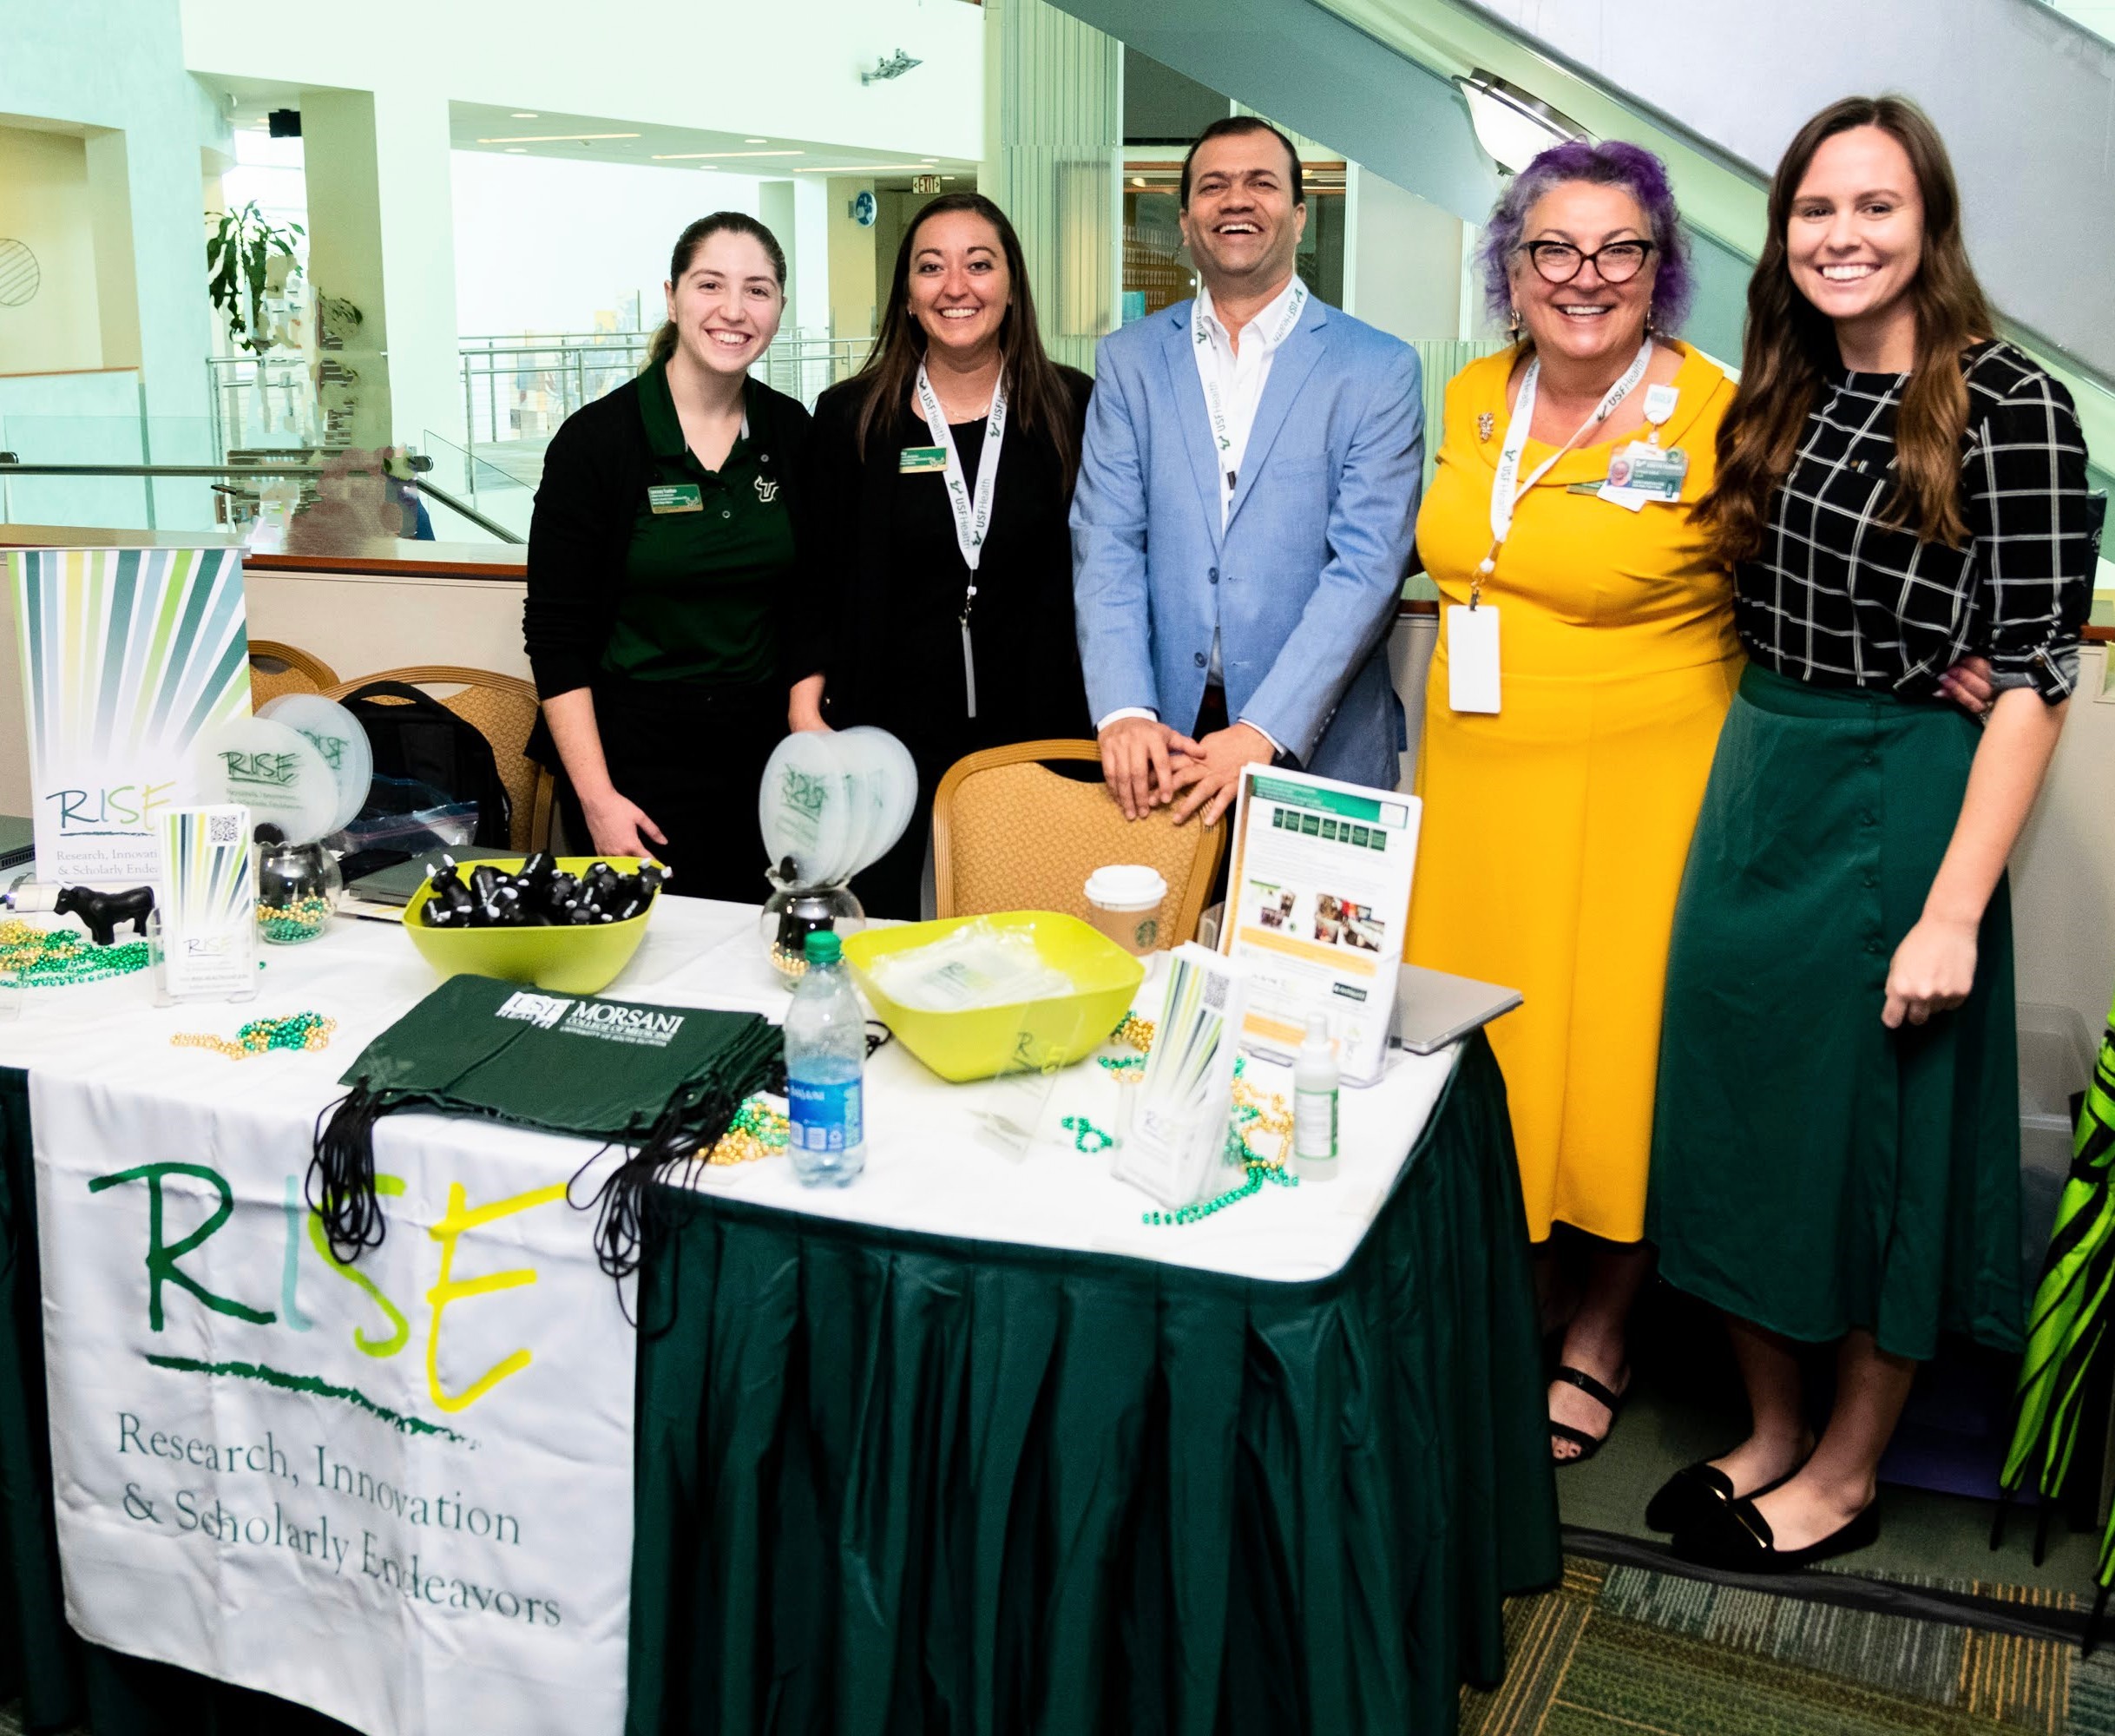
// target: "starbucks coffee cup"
[[1124, 901]]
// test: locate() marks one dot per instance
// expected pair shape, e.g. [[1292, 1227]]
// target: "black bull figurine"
[[103, 913]]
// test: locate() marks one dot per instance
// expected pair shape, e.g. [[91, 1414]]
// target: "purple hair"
[[1631, 167]]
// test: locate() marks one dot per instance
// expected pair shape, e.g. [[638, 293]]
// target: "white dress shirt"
[[1240, 376]]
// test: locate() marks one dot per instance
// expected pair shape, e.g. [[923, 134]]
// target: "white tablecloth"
[[927, 1167]]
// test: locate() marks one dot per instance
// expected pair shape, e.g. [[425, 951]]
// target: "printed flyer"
[[1317, 900], [128, 656]]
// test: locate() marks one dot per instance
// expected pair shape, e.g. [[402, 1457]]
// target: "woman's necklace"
[[964, 397]]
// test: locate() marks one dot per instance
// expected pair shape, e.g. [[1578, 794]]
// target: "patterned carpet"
[[1617, 1650], [1625, 1651]]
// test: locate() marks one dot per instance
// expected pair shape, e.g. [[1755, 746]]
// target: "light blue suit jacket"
[[1303, 584]]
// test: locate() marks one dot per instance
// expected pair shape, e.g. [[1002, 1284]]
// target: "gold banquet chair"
[[1010, 834], [277, 669], [503, 709]]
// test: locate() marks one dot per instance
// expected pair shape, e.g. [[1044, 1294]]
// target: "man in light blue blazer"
[[1247, 495]]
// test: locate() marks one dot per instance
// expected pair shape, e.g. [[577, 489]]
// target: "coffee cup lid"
[[1126, 886]]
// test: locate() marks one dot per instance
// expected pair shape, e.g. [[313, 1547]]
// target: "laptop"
[[1433, 1008]]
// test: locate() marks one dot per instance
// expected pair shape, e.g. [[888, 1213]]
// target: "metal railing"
[[260, 401], [12, 466], [522, 388]]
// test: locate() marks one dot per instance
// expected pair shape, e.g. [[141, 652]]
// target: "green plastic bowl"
[[1034, 1036], [569, 960]]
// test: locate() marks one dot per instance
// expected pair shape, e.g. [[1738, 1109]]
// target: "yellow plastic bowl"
[[571, 961], [1037, 1034]]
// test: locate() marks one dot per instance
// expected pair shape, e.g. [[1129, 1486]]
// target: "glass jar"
[[793, 912], [297, 886]]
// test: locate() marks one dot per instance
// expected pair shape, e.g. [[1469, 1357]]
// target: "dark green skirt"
[[1813, 1171]]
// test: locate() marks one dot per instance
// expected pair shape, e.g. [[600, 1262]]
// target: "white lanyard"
[[969, 500], [1506, 487], [1209, 375]]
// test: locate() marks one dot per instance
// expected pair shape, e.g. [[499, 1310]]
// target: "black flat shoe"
[[1588, 1444], [1738, 1540], [1700, 1492]]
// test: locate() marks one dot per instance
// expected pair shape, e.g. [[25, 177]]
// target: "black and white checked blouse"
[[1838, 601]]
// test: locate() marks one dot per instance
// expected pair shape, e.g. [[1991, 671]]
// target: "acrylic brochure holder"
[[1176, 1137], [1317, 898], [202, 940]]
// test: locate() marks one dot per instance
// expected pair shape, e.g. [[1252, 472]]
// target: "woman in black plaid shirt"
[[1836, 1150]]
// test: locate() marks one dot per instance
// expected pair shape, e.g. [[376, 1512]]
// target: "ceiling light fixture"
[[692, 156], [517, 150], [756, 141], [524, 115], [555, 138], [891, 66], [859, 168], [1513, 125]]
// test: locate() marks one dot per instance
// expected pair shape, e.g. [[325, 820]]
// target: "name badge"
[[915, 460], [676, 497], [1471, 658], [1656, 472]]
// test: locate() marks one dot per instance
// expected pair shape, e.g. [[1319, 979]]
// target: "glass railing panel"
[[498, 482], [113, 502], [165, 476]]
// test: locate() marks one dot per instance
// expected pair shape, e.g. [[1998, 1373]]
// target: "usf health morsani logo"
[[538, 1009], [652, 1026]]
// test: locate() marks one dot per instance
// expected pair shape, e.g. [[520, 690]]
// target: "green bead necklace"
[[56, 958], [260, 1036]]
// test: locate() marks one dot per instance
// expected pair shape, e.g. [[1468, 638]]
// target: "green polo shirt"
[[710, 554]]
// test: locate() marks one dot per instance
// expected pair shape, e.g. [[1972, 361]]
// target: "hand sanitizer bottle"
[[1315, 1078]]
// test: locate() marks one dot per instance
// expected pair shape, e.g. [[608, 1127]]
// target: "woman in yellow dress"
[[1557, 818]]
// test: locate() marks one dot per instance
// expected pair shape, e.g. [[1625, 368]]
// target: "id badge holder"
[[1653, 472], [1472, 658]]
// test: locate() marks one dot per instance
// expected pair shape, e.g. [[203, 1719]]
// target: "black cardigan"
[[595, 473], [843, 529]]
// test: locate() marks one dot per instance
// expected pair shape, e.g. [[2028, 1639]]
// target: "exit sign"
[[925, 183]]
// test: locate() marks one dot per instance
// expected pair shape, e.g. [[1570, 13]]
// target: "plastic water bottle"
[[825, 1062], [1314, 1079]]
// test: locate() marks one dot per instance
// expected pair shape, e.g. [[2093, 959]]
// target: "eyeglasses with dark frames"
[[1615, 261]]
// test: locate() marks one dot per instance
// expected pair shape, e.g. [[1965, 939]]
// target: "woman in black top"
[[901, 480], [660, 562], [1835, 1144]]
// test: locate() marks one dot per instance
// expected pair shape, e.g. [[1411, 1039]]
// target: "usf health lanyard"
[[1506, 487], [1211, 375], [969, 500]]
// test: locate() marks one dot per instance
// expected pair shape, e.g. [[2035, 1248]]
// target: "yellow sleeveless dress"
[[1554, 831]]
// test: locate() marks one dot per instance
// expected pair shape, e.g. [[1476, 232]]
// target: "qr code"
[[222, 829], [1215, 993]]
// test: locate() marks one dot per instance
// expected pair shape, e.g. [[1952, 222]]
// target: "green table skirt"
[[904, 1483], [907, 1483]]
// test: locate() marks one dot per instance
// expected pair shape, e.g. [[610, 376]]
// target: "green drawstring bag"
[[663, 1080]]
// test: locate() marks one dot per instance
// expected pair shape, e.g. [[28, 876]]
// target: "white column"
[[382, 236], [1052, 162], [418, 260]]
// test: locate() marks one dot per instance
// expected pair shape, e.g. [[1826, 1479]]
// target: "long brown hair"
[[662, 345], [1790, 344], [1035, 390]]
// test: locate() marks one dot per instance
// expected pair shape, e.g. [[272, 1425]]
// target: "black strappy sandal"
[[1588, 1444]]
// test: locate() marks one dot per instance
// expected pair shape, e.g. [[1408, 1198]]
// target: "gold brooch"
[[1487, 424]]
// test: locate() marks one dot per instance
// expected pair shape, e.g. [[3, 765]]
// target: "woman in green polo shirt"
[[658, 560]]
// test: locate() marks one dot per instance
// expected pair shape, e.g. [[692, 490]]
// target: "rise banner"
[[128, 656], [398, 1492]]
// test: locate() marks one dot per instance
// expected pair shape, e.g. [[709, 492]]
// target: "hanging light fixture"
[[890, 66], [1513, 126]]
